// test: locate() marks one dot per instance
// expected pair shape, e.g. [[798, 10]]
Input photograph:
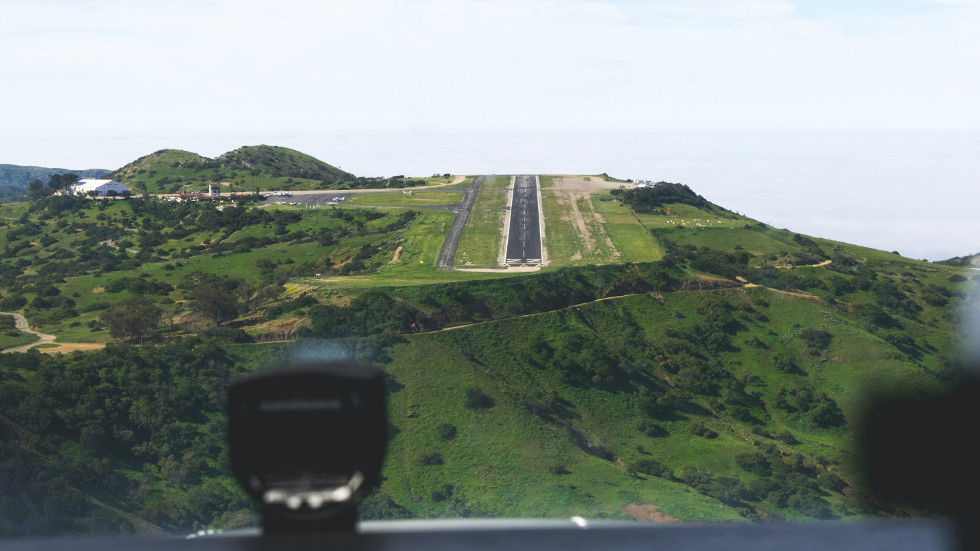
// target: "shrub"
[[652, 430], [476, 399], [446, 431], [431, 459], [698, 428], [13, 301], [816, 339], [783, 363], [786, 437], [830, 480], [651, 467], [558, 469], [754, 462], [443, 493]]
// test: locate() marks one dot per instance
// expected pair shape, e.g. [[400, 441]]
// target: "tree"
[[61, 181], [214, 302], [131, 319], [36, 190]]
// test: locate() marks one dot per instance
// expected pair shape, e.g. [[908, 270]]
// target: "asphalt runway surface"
[[328, 199], [325, 199], [451, 243], [524, 239]]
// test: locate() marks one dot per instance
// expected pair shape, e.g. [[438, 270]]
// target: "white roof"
[[91, 184]]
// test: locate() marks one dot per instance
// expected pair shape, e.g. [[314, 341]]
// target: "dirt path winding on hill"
[[20, 322]]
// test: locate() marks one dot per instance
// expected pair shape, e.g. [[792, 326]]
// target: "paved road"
[[449, 246], [20, 322], [333, 198], [524, 238]]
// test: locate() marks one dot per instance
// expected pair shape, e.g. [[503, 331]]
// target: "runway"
[[524, 237]]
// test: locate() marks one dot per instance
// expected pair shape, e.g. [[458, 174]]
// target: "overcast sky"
[[834, 113], [114, 67]]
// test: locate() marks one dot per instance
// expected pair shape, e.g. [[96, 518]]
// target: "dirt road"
[[20, 322]]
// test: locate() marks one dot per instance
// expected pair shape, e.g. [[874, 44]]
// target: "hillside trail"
[[817, 265], [532, 314], [20, 322]]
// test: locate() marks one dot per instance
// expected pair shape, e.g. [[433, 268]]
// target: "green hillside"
[[282, 162], [245, 169], [714, 371]]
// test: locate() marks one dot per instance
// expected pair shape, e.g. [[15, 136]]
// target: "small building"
[[101, 188], [214, 190]]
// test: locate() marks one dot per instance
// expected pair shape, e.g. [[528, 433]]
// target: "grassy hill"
[[246, 168], [700, 365], [282, 162], [249, 168]]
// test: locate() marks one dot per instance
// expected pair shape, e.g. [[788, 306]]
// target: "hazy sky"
[[636, 88], [114, 67]]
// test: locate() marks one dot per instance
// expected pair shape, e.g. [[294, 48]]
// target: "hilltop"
[[261, 166], [248, 168], [971, 260], [282, 162], [673, 360]]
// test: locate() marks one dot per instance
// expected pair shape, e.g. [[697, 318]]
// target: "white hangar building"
[[100, 187]]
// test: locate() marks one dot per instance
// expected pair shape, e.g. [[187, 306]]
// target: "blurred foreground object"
[[921, 452], [307, 441]]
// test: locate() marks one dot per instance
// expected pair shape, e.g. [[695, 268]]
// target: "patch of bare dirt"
[[647, 512], [280, 330], [569, 190], [790, 266], [97, 290], [67, 347], [398, 255], [589, 184]]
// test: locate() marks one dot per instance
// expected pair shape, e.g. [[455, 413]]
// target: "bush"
[[698, 428], [784, 363], [446, 431], [652, 467], [831, 481], [816, 339], [786, 437], [13, 301], [476, 399], [558, 469], [754, 462], [431, 459], [443, 493], [652, 430]]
